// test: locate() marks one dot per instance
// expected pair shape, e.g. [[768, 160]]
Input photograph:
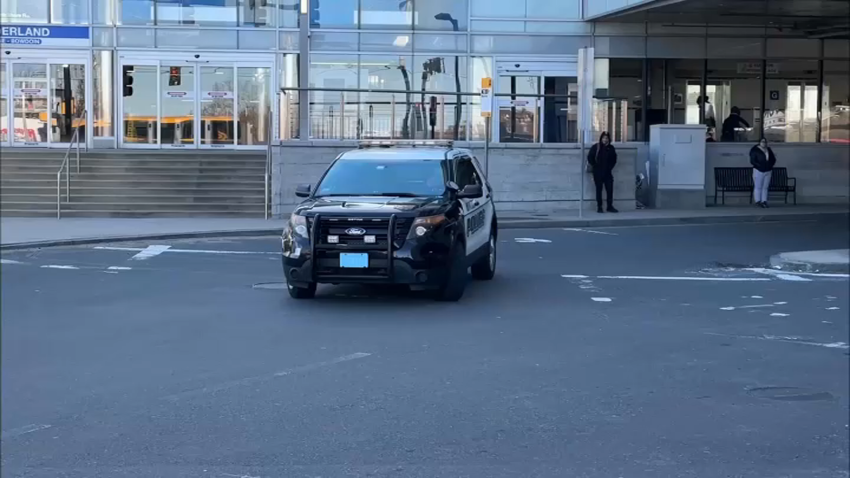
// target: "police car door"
[[474, 209]]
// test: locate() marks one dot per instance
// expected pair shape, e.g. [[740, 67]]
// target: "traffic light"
[[174, 76], [127, 80], [432, 114], [314, 13], [434, 66]]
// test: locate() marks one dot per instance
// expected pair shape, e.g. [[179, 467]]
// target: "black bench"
[[740, 180]]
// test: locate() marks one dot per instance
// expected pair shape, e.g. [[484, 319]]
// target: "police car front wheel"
[[302, 292]]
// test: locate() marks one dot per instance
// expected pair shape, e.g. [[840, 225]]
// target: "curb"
[[505, 224], [798, 262]]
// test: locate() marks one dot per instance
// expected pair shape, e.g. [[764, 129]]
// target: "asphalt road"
[[665, 352]]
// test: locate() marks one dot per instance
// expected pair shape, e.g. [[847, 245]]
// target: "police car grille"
[[378, 227]]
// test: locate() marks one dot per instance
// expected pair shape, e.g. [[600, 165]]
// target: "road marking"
[[792, 278], [119, 268], [756, 297], [189, 251], [832, 308], [10, 261], [762, 270], [755, 306], [601, 299], [574, 229], [792, 340], [150, 251], [780, 303], [720, 279], [568, 276], [283, 373], [22, 431], [59, 267], [530, 240], [727, 308], [778, 314]]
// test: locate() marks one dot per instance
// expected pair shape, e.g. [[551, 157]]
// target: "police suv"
[[416, 213]]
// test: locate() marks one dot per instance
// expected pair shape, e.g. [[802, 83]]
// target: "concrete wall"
[[536, 178], [822, 170]]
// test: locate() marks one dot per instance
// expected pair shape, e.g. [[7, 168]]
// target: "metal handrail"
[[66, 161], [267, 179]]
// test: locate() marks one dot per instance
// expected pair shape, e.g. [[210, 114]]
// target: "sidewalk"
[[23, 233]]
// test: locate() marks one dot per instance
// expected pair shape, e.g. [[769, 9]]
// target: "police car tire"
[[484, 269], [302, 292], [452, 290]]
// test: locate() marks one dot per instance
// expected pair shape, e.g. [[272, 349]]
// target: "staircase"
[[135, 184]]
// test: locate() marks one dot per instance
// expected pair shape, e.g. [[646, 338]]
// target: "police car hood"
[[369, 205]]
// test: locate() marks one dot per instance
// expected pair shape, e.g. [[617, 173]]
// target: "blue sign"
[[44, 35]]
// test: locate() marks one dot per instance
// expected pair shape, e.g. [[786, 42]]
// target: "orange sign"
[[486, 82]]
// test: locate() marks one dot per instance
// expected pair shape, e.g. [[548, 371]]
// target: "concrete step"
[[224, 191], [140, 177], [47, 212], [123, 184], [140, 198], [130, 207]]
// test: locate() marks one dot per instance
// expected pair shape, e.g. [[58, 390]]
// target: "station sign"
[[486, 97], [45, 35]]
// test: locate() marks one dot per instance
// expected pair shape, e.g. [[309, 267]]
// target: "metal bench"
[[740, 180]]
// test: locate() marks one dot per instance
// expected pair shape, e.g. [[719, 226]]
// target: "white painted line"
[[601, 299], [119, 268], [568, 276], [792, 340], [761, 270], [831, 297], [791, 278], [825, 322], [727, 308], [832, 308], [22, 431], [530, 240], [716, 279], [109, 272], [756, 297], [10, 261], [778, 314], [574, 229], [780, 303], [150, 251], [283, 373], [755, 306], [188, 251], [59, 267]]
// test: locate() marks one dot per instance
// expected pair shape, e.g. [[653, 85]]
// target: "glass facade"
[[208, 73]]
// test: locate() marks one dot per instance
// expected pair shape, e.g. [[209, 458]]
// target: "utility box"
[[677, 165]]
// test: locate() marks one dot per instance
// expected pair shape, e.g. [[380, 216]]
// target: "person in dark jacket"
[[763, 160], [602, 158], [731, 125]]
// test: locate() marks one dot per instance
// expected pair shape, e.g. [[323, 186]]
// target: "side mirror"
[[303, 190], [471, 191]]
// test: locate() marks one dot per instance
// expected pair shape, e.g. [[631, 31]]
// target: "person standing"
[[602, 158], [732, 125], [763, 160]]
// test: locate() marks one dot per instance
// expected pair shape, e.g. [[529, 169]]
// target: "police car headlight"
[[298, 226], [423, 225]]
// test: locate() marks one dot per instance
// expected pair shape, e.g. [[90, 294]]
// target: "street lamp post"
[[458, 108]]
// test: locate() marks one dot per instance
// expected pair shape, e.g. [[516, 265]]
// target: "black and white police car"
[[415, 213]]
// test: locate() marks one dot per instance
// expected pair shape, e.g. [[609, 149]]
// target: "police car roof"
[[399, 153]]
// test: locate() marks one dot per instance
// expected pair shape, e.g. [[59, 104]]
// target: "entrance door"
[[42, 102], [195, 104]]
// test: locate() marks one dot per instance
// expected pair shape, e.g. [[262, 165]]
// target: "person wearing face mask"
[[602, 158], [763, 160]]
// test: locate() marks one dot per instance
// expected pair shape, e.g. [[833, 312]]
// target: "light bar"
[[385, 143]]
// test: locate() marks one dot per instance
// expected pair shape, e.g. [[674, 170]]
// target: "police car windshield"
[[383, 177]]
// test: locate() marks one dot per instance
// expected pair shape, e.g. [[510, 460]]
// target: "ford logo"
[[355, 231]]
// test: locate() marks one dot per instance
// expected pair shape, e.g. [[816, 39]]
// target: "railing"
[[269, 154], [66, 166]]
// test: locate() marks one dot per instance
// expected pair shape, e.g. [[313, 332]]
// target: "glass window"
[[792, 47], [333, 41], [619, 47], [288, 100], [398, 177], [498, 8], [387, 115], [735, 47], [675, 47], [136, 12], [392, 14], [288, 41], [674, 91], [466, 173], [552, 45], [256, 40], [102, 37], [290, 13], [135, 37], [331, 71], [481, 67], [257, 13], [566, 9], [333, 13], [24, 11], [103, 91], [191, 39], [68, 12], [102, 12], [734, 90], [500, 26], [440, 43], [386, 42], [139, 123], [254, 108], [196, 12], [441, 15], [835, 127], [558, 27], [616, 108], [791, 101], [443, 74]]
